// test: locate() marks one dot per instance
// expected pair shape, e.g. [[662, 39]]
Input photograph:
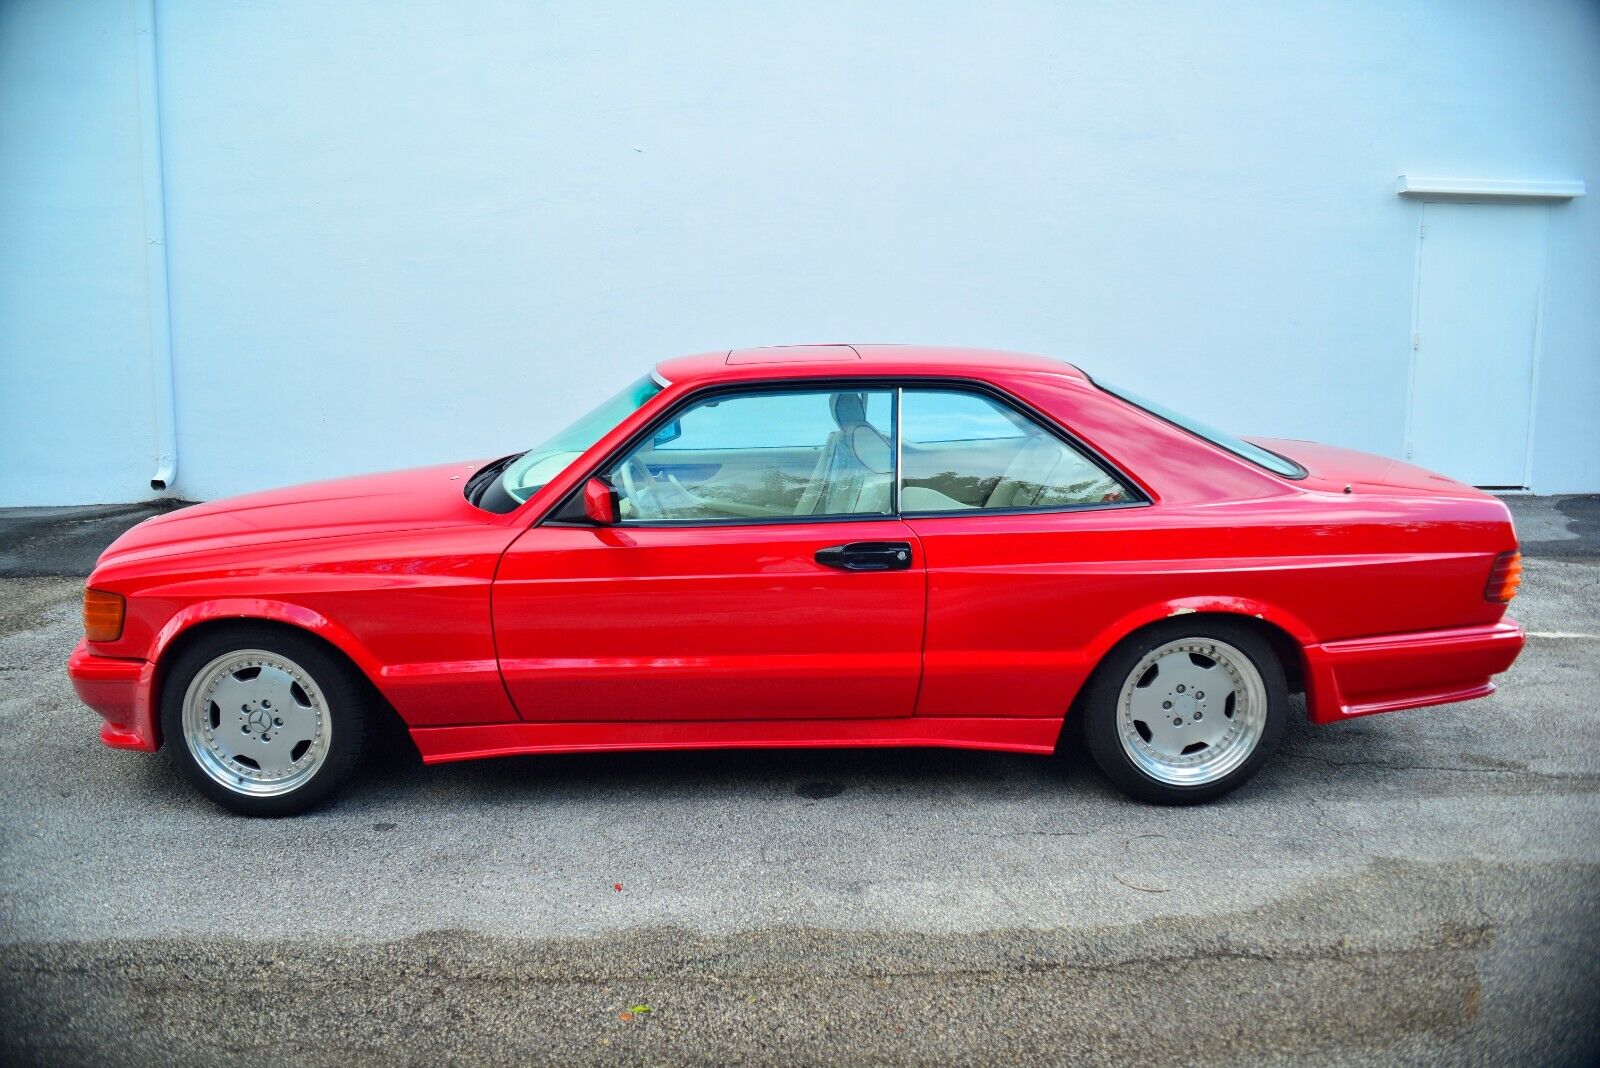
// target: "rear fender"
[[1244, 608]]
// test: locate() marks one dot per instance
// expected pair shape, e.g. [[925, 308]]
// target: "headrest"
[[849, 410]]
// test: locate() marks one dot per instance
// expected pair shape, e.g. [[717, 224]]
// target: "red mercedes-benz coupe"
[[826, 545]]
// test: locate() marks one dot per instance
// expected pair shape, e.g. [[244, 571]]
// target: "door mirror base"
[[593, 505]]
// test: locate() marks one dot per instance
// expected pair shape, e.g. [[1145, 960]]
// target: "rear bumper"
[[119, 690], [1392, 671]]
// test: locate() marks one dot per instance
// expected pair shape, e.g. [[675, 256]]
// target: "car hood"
[[395, 500], [1364, 470]]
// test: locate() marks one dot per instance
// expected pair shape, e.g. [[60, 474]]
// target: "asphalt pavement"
[[1419, 886]]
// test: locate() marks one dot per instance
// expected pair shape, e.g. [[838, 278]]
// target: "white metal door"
[[1480, 270]]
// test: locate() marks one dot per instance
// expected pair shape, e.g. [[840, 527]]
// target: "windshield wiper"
[[481, 479]]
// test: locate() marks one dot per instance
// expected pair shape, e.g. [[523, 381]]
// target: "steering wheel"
[[639, 486]]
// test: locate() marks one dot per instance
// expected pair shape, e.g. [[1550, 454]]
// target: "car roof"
[[835, 359]]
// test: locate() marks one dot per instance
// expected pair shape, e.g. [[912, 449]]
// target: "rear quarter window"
[[1264, 458]]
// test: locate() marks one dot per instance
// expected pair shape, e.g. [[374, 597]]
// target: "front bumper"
[[119, 690], [1361, 676]]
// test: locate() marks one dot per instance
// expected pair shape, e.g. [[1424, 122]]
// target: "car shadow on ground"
[[394, 773], [813, 774], [1311, 760]]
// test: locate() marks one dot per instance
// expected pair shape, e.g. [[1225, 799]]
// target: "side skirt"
[[439, 745]]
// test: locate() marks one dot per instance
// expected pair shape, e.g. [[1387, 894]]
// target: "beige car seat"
[[852, 473], [1027, 475], [1046, 466]]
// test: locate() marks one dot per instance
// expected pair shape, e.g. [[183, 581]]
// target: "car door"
[[757, 571]]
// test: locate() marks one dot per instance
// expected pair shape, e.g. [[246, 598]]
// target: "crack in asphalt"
[[1475, 937]]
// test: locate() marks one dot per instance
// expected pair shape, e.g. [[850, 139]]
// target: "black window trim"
[[1136, 498]]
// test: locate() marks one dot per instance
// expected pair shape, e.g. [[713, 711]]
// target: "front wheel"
[[263, 721], [1186, 712]]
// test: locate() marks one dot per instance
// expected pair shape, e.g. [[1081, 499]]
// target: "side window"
[[963, 450], [765, 455]]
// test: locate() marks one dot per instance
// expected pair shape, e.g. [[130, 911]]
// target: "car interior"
[[849, 470]]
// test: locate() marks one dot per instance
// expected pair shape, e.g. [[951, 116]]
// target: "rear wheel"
[[263, 721], [1186, 712]]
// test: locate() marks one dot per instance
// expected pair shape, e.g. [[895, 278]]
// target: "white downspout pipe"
[[159, 303]]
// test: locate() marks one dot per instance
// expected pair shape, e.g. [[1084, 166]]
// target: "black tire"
[[343, 695], [1099, 709]]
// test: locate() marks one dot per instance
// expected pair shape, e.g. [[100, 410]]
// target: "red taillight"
[[102, 615], [1504, 577]]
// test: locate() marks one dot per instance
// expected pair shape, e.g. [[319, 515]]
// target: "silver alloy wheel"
[[256, 722], [1191, 711]]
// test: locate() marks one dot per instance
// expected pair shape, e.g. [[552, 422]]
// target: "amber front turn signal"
[[102, 615], [1504, 577]]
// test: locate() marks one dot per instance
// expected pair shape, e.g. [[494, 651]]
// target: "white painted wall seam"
[[157, 289]]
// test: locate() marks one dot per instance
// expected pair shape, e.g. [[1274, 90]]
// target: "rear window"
[[1278, 465]]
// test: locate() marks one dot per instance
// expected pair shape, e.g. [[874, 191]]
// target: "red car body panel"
[[493, 634], [407, 601], [706, 623], [440, 745]]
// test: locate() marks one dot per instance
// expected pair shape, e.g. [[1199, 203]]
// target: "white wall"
[[402, 233], [75, 403]]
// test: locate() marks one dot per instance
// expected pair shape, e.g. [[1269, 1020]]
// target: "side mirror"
[[671, 432], [600, 502]]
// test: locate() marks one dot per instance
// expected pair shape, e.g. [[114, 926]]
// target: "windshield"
[[1278, 465], [528, 473]]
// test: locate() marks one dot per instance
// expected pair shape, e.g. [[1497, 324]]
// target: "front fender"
[[241, 609], [237, 609], [125, 690]]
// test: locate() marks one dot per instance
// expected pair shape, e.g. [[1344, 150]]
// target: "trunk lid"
[[1364, 470]]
